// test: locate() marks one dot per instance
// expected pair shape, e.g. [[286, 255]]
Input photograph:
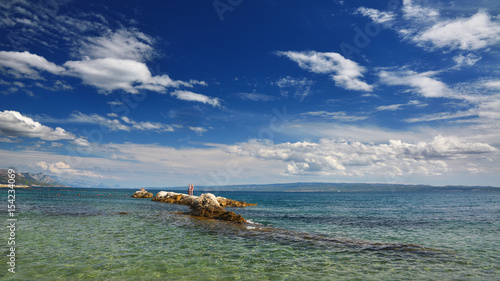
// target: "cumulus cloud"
[[190, 96], [417, 12], [427, 28], [338, 157], [473, 33], [422, 83], [82, 142], [346, 73], [109, 74], [126, 44], [13, 123], [26, 65], [466, 60], [106, 74], [61, 168]]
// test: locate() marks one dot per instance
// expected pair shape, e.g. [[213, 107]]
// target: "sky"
[[166, 93]]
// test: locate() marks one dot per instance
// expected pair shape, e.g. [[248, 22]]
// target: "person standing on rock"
[[191, 189]]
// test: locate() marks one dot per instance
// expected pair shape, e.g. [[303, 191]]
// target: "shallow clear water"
[[79, 234]]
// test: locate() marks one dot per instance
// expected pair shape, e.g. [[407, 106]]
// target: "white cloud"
[[301, 86], [376, 15], [422, 83], [198, 130], [122, 44], [114, 124], [494, 84], [334, 157], [109, 74], [111, 124], [391, 107], [476, 32], [467, 60], [346, 73], [82, 142], [61, 168], [441, 116], [7, 139], [26, 65], [13, 123], [288, 81], [427, 28], [115, 102], [148, 126], [255, 97], [418, 12], [412, 153], [338, 115], [190, 96], [394, 107]]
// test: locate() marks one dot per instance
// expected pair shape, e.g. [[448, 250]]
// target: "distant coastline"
[[338, 187]]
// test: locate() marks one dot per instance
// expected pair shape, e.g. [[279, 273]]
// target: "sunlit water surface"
[[80, 234]]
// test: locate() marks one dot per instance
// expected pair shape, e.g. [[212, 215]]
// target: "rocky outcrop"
[[174, 197], [205, 205], [142, 194], [224, 202], [163, 195]]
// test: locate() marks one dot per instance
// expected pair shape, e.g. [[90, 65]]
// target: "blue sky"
[[166, 93]]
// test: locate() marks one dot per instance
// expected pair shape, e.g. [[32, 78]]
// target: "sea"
[[105, 234]]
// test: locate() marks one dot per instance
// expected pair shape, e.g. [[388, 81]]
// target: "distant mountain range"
[[29, 179]]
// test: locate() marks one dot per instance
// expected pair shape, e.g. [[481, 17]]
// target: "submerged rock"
[[142, 194]]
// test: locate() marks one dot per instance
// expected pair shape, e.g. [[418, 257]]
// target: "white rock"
[[207, 199]]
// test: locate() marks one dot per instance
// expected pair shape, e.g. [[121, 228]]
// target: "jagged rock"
[[142, 194], [188, 200], [205, 205], [207, 200], [224, 202], [164, 195], [208, 206]]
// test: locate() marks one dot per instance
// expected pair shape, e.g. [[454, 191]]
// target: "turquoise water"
[[294, 236]]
